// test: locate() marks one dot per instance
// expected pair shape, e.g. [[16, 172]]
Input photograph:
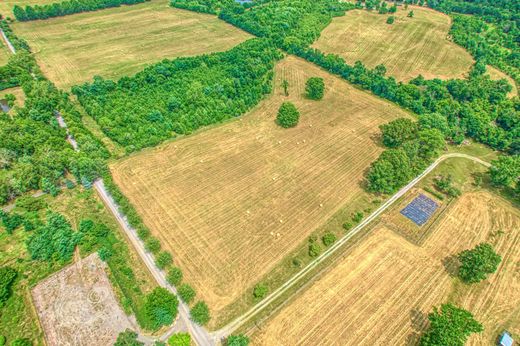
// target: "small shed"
[[506, 339]]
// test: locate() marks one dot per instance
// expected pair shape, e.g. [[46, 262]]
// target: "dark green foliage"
[[64, 8], [202, 6], [153, 245], [174, 276], [477, 263], [449, 326], [2, 340], [505, 171], [179, 96], [410, 14], [163, 259], [328, 239], [160, 307], [21, 342], [288, 115], [260, 291], [186, 293], [128, 338], [314, 249], [398, 131], [200, 313], [7, 278], [390, 20], [11, 221], [390, 171], [237, 340], [53, 241], [30, 203], [315, 88], [445, 185], [180, 339]]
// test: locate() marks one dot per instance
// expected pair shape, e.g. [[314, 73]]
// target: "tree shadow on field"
[[451, 265], [418, 322]]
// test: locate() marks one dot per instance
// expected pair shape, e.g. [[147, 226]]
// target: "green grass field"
[[409, 47], [122, 41]]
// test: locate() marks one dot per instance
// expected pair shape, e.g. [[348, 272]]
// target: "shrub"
[[237, 340], [160, 307], [314, 249], [328, 239], [449, 326], [174, 276], [347, 226], [187, 293], [390, 20], [357, 217], [21, 342], [315, 88], [30, 203], [477, 263], [180, 339], [7, 277], [260, 291], [152, 245], [163, 260], [288, 115], [104, 253], [127, 338], [200, 313]]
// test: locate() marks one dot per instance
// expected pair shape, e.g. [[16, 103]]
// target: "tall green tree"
[[315, 88], [288, 115], [505, 171], [398, 131], [160, 307], [478, 263]]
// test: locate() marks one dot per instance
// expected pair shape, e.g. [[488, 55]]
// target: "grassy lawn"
[[121, 41], [409, 47]]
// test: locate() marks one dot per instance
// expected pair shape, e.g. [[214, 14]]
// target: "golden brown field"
[[230, 202], [381, 292], [409, 47], [121, 41]]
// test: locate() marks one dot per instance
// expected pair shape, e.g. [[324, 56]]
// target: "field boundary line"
[[238, 322]]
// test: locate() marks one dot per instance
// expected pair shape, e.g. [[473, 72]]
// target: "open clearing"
[[77, 305], [497, 74], [409, 47], [121, 41], [17, 92], [230, 202], [381, 292]]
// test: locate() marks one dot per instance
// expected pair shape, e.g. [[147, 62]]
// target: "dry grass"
[[232, 201], [17, 92], [381, 292], [121, 41], [77, 305], [409, 47], [497, 74], [6, 6]]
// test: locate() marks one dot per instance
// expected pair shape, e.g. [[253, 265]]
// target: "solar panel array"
[[420, 209]]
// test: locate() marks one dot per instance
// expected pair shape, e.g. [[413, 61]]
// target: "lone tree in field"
[[285, 86], [477, 263], [288, 115], [160, 307], [315, 88], [450, 326], [390, 20]]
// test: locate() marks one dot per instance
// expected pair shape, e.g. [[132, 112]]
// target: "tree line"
[[65, 8], [179, 96]]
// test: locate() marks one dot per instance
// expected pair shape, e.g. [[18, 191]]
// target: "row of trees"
[[65, 8], [179, 96]]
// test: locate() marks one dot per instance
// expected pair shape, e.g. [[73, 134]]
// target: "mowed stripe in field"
[[232, 201], [121, 41], [407, 48], [382, 291]]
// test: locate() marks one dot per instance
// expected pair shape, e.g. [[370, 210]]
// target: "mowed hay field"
[[230, 202], [409, 47], [381, 292], [121, 41]]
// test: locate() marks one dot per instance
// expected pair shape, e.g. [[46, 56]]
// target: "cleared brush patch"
[[77, 305], [121, 41], [382, 291], [233, 201], [408, 47]]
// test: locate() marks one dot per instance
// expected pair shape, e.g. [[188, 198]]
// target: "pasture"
[[121, 41], [232, 201], [77, 305], [409, 47], [381, 291]]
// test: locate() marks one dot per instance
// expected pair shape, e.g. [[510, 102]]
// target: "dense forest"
[[181, 95], [33, 151], [66, 7], [492, 32]]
